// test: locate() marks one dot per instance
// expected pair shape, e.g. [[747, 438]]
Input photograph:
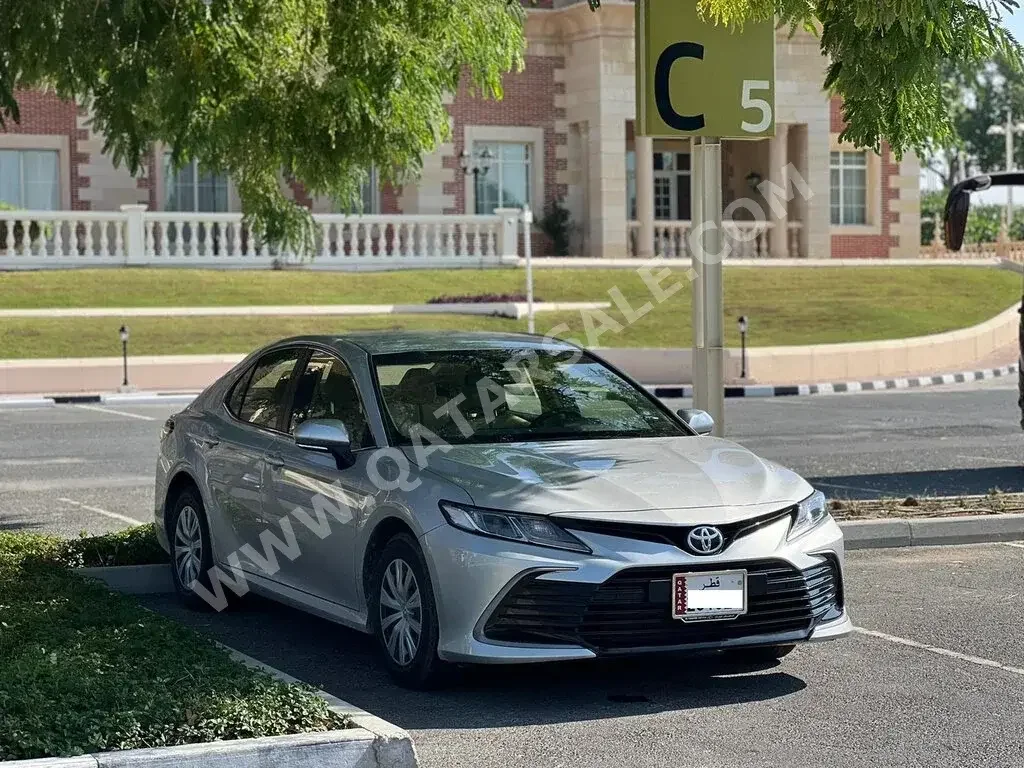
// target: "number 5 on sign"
[[749, 102], [695, 78]]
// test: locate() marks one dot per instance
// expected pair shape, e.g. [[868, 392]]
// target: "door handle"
[[275, 461]]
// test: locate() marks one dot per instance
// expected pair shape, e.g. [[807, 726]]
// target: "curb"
[[392, 745], [829, 388], [133, 579], [148, 398], [932, 531], [350, 748], [11, 403]]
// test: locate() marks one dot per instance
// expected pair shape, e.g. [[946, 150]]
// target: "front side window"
[[849, 188], [264, 399], [193, 189], [509, 176], [514, 395], [326, 390], [30, 179]]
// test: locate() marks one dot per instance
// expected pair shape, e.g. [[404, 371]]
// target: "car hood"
[[675, 480]]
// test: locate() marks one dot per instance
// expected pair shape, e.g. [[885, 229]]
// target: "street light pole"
[[1009, 130]]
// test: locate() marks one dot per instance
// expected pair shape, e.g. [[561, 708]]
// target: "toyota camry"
[[489, 498]]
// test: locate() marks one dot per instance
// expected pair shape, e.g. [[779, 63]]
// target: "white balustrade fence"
[[745, 239], [135, 236]]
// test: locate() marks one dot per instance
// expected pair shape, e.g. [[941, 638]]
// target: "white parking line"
[[850, 488], [978, 660], [104, 512], [1017, 544], [98, 409]]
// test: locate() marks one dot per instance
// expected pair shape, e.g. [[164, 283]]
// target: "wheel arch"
[[181, 480], [385, 529]]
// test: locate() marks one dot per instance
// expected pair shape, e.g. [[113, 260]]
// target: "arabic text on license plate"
[[709, 596]]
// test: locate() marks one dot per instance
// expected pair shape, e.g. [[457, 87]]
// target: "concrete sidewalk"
[[512, 309]]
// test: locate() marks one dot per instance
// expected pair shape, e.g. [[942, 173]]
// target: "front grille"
[[632, 610], [676, 535]]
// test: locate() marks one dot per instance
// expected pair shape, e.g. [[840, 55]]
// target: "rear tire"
[[191, 551], [403, 615]]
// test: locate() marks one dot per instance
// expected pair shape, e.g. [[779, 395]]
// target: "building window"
[[672, 200], [30, 179], [508, 179], [193, 189], [369, 197], [849, 188]]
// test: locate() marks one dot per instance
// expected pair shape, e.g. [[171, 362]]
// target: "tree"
[[320, 89], [324, 88], [977, 98]]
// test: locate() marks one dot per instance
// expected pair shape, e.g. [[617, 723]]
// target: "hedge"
[[86, 670]]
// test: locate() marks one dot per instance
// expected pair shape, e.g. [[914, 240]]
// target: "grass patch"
[[86, 670], [786, 306]]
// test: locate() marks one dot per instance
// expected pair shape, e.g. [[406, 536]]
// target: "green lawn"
[[785, 305]]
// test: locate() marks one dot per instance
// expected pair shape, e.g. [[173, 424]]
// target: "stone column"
[[778, 159], [645, 196]]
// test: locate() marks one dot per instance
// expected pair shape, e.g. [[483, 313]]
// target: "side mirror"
[[958, 205], [699, 421], [327, 436]]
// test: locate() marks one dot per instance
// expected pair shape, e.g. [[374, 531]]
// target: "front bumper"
[[501, 602]]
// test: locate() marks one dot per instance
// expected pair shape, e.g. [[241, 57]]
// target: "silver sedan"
[[489, 498]]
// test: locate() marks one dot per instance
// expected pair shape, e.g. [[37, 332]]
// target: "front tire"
[[404, 615]]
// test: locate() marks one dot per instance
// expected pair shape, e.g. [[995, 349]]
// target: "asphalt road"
[[90, 468], [954, 698]]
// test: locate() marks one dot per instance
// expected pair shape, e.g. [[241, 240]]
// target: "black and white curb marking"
[[792, 390]]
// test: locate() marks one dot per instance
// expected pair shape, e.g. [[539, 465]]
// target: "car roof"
[[388, 342]]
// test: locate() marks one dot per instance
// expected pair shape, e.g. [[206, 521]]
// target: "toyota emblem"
[[706, 540]]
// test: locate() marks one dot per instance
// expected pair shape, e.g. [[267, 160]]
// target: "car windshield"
[[513, 395]]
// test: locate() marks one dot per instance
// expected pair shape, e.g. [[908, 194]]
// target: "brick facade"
[[870, 246], [45, 114], [574, 102]]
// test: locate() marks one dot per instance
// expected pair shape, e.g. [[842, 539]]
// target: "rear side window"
[[264, 398], [234, 401]]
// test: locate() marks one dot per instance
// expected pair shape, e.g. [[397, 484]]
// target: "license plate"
[[717, 596]]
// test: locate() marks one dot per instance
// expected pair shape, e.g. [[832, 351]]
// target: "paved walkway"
[[514, 309]]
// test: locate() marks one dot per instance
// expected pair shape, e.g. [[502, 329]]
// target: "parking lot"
[[933, 677], [869, 700], [90, 468]]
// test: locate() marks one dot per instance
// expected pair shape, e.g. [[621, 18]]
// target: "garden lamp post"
[[478, 164], [124, 333], [743, 324]]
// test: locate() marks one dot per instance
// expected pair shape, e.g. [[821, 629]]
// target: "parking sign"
[[696, 78]]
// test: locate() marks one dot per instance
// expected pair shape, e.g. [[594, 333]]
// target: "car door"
[[324, 504], [235, 459]]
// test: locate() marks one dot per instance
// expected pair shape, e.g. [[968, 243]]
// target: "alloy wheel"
[[401, 612], [188, 546]]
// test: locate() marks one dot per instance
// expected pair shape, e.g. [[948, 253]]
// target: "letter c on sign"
[[663, 98]]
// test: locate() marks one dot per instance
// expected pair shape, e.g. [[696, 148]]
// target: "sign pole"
[[706, 82], [698, 367], [709, 389]]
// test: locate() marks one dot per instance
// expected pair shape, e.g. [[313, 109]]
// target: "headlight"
[[528, 529], [810, 513]]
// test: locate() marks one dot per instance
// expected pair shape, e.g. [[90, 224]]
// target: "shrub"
[[557, 226], [85, 670], [481, 298]]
